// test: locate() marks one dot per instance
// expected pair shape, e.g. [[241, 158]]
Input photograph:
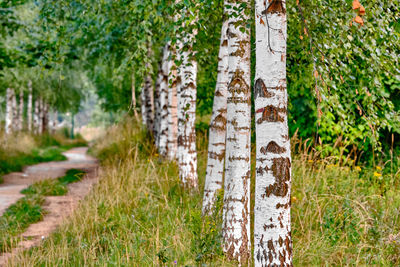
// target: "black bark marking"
[[281, 171], [275, 7], [261, 89], [273, 147], [271, 114]]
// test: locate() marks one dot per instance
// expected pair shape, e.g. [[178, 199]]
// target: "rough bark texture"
[[236, 210], [9, 111], [148, 97], [163, 102], [216, 145], [174, 85], [21, 111], [29, 111], [187, 154], [272, 232]]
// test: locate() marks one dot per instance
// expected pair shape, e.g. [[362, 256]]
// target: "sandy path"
[[57, 207]]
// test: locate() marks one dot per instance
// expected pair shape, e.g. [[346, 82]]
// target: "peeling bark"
[[272, 232], [236, 210], [217, 132]]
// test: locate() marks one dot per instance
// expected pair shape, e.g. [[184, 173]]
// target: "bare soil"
[[57, 208]]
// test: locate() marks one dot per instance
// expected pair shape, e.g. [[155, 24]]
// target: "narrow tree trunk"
[[133, 89], [54, 122], [30, 106], [148, 97], [163, 129], [272, 238], [36, 117], [45, 125], [14, 111], [143, 104], [187, 153], [9, 111], [157, 105], [40, 116], [174, 81], [216, 145], [236, 210], [21, 111]]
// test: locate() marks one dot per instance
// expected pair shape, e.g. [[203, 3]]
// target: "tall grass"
[[138, 215]]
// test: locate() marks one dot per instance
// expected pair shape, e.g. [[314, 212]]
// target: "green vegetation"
[[54, 187], [28, 209], [139, 215]]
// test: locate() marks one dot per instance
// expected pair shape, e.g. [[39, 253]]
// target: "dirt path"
[[57, 207]]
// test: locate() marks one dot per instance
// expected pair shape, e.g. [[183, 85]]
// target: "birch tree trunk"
[[36, 117], [157, 106], [45, 125], [9, 111], [163, 128], [133, 100], [174, 81], [29, 106], [236, 210], [14, 111], [272, 232], [216, 145], [148, 98], [40, 116], [143, 105], [21, 111], [187, 154]]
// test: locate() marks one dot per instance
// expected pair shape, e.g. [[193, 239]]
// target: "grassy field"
[[20, 150], [138, 215]]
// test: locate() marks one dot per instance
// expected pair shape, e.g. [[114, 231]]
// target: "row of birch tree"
[[168, 110]]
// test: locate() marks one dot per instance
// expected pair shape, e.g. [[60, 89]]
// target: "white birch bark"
[[174, 81], [9, 111], [14, 111], [36, 117], [163, 102], [40, 116], [143, 104], [187, 153], [272, 232], [236, 209], [21, 111], [29, 106], [217, 131], [157, 105]]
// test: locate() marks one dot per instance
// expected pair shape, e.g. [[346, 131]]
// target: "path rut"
[[57, 207]]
